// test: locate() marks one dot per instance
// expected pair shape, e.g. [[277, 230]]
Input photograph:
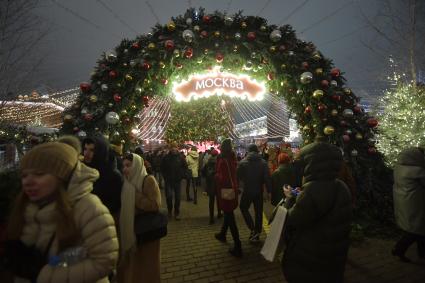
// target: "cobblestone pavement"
[[190, 253]]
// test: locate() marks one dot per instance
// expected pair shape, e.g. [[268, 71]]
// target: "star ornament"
[[218, 83]]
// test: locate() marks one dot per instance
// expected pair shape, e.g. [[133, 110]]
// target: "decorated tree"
[[402, 120], [315, 91], [187, 124]]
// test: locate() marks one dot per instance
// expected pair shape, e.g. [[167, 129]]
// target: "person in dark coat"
[[254, 174], [409, 201], [210, 181], [225, 178], [173, 168], [318, 224], [284, 175], [97, 155]]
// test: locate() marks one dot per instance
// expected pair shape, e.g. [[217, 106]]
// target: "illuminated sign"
[[219, 83]]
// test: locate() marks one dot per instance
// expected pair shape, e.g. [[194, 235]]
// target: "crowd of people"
[[74, 220]]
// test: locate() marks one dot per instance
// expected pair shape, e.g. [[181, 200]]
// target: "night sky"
[[80, 30]]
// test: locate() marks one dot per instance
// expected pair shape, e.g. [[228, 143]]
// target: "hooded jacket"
[[254, 173], [192, 160], [318, 225], [93, 220], [108, 186], [409, 191]]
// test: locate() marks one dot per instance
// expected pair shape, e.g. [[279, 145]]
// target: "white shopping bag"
[[271, 244]]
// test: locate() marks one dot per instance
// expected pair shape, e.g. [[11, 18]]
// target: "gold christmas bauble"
[[151, 46], [273, 49], [318, 93], [334, 112], [67, 118], [347, 91], [171, 26], [161, 64], [244, 25], [328, 130], [93, 98], [319, 71], [359, 136], [217, 33], [316, 56], [128, 77]]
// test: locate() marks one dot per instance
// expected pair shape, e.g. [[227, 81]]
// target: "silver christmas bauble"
[[82, 134], [188, 35], [228, 21], [347, 113], [104, 87], [306, 77], [275, 35], [238, 36], [112, 118]]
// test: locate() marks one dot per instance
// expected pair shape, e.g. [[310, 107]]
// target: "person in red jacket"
[[227, 194]]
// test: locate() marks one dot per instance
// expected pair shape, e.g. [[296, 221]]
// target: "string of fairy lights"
[[49, 107]]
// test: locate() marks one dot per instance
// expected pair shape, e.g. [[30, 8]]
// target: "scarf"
[[133, 183]]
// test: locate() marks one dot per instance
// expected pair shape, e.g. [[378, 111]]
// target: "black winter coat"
[[173, 167], [318, 224], [254, 173], [108, 186]]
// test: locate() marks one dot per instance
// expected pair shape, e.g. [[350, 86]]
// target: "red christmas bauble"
[[88, 117], [188, 53], [164, 81], [219, 57], [204, 34], [372, 122], [117, 97], [336, 97], [371, 150], [251, 36], [206, 19], [75, 129], [135, 45], [346, 138], [304, 65], [179, 66], [324, 83], [335, 72], [169, 45], [145, 99], [85, 87], [307, 110], [282, 48], [146, 66], [343, 123], [113, 74], [357, 109], [126, 120], [321, 107]]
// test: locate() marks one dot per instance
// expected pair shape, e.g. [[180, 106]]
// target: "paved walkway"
[[190, 253]]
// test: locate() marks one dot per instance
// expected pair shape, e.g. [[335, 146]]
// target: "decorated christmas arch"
[[231, 52]]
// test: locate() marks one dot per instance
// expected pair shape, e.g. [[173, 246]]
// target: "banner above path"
[[219, 83]]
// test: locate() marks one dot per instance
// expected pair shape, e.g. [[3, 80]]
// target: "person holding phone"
[[319, 218]]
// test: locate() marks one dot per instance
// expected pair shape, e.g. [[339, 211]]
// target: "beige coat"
[[93, 221], [143, 266]]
